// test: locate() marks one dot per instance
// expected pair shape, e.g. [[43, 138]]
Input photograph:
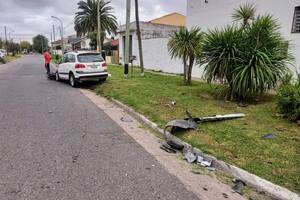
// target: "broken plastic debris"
[[203, 162], [190, 157], [211, 168], [238, 187], [167, 148], [269, 136], [126, 119]]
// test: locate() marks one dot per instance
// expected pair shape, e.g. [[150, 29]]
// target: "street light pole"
[[99, 47], [62, 33], [127, 36]]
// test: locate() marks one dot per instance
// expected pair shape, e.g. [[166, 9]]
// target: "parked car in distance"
[[77, 67], [1, 54]]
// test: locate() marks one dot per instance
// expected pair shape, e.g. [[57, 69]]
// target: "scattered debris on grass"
[[192, 122], [269, 136], [238, 187]]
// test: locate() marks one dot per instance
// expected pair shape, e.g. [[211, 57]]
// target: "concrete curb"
[[258, 183]]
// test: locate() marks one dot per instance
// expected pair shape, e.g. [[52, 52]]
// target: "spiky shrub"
[[288, 98], [221, 53], [250, 58], [264, 58], [186, 44]]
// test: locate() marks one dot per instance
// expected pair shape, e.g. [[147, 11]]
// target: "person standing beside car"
[[47, 58]]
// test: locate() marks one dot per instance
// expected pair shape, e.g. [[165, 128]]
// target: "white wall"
[[218, 13], [155, 53]]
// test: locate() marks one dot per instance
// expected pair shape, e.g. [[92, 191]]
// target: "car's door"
[[62, 69], [71, 63]]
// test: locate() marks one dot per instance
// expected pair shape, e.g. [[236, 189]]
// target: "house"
[[79, 43], [72, 43], [155, 36], [217, 13]]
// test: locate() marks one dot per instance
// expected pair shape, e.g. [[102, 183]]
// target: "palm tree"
[[245, 13], [86, 17], [186, 45]]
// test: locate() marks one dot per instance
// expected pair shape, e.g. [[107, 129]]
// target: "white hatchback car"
[[84, 66]]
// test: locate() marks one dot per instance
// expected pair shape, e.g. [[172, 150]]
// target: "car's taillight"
[[79, 66], [104, 65]]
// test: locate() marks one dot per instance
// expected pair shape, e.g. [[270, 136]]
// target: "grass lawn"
[[238, 142], [9, 58]]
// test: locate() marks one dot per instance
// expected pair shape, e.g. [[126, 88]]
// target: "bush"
[[288, 98], [2, 60]]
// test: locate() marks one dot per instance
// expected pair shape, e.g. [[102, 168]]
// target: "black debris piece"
[[167, 148], [238, 187]]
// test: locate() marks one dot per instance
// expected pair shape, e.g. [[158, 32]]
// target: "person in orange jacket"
[[47, 58]]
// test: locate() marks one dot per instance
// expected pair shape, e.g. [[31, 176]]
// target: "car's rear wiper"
[[97, 60]]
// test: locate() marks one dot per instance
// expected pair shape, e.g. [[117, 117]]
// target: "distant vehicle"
[[77, 67], [3, 51], [1, 54], [25, 51]]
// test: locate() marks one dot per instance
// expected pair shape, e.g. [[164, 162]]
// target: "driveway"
[[56, 144]]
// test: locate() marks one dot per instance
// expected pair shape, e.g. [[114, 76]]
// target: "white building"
[[155, 36], [217, 13]]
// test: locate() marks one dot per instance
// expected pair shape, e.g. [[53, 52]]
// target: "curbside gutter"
[[258, 183]]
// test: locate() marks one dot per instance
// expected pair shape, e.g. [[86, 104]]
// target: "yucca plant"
[[186, 45], [264, 58], [251, 58], [221, 53], [245, 13]]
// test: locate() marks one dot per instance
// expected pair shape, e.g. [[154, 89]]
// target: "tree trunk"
[[184, 71], [190, 69], [138, 32]]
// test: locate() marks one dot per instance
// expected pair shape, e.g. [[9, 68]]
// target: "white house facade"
[[209, 14], [155, 38]]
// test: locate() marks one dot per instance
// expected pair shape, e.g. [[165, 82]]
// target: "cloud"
[[26, 18]]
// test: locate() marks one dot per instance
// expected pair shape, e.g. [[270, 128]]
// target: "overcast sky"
[[25, 18]]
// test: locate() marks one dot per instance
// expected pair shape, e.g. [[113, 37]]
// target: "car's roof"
[[82, 52]]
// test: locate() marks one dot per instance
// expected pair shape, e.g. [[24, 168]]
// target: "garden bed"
[[238, 142]]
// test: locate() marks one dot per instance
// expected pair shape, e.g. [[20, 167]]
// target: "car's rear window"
[[89, 57]]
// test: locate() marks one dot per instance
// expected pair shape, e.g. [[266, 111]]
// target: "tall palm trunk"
[[138, 33], [190, 69], [184, 69]]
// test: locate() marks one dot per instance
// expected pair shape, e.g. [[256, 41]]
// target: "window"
[[71, 58], [89, 57], [65, 59], [296, 22]]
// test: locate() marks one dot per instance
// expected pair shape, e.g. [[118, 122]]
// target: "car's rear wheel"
[[72, 80], [57, 76]]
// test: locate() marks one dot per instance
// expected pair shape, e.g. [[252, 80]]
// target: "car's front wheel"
[[72, 80]]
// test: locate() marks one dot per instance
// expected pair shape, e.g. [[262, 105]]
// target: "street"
[[56, 144]]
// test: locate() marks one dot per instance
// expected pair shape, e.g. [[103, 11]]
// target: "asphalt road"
[[56, 144]]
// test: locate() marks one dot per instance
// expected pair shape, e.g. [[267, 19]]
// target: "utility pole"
[[42, 45], [62, 33], [127, 36], [51, 41], [5, 39], [53, 30], [99, 48], [138, 32]]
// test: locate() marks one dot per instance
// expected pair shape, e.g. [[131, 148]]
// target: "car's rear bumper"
[[91, 76]]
